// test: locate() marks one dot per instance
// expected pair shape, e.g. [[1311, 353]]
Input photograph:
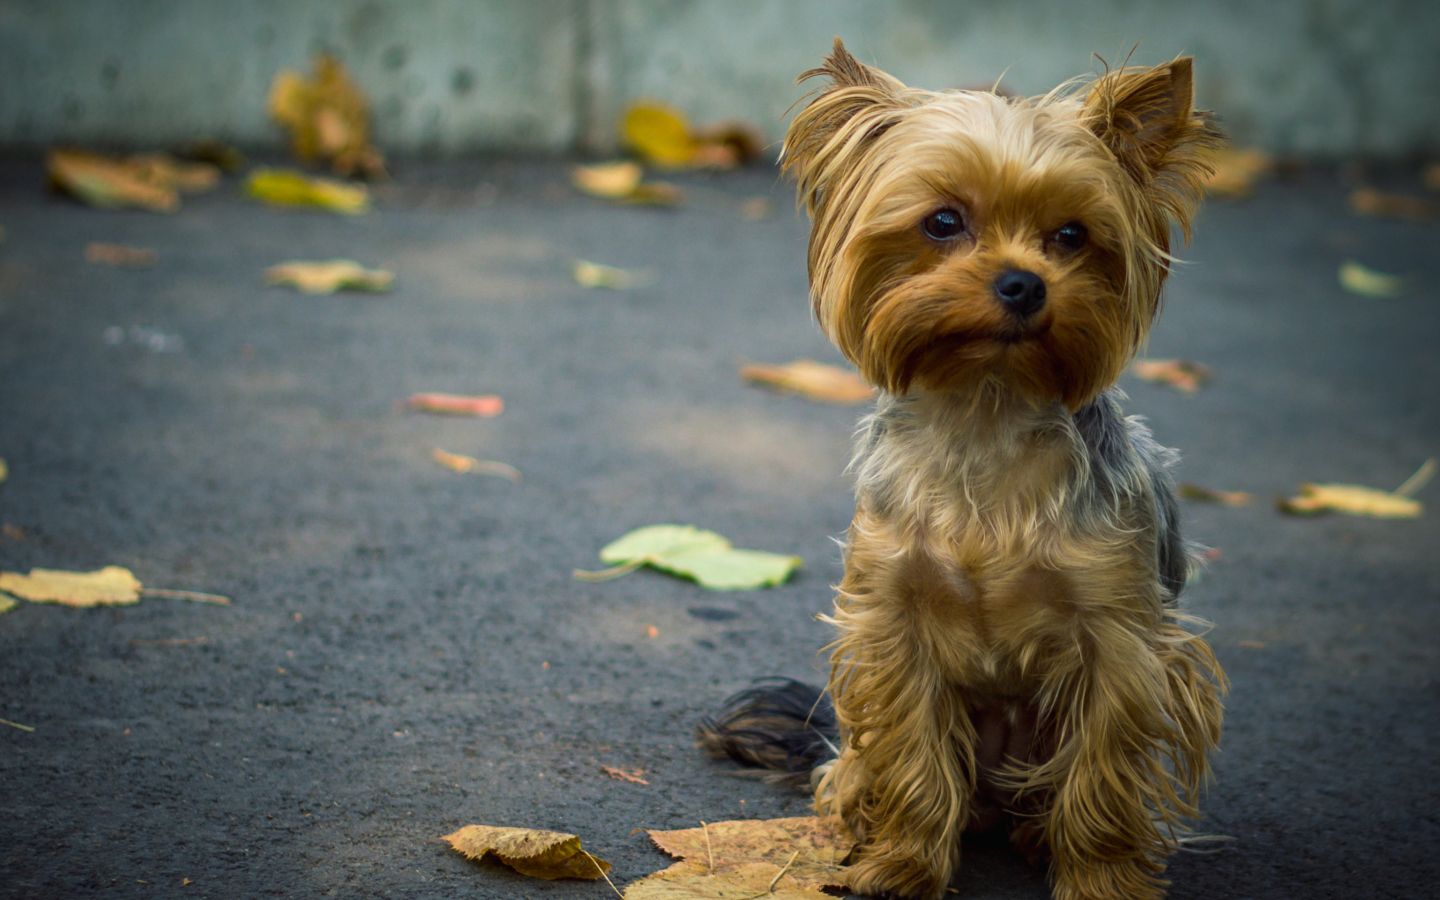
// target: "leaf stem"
[[16, 725], [776, 880], [185, 595], [1417, 481], [612, 573], [601, 870]]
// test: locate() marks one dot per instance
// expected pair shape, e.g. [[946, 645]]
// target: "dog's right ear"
[[844, 117]]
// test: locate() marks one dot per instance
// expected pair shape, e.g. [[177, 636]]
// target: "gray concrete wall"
[[1320, 77]]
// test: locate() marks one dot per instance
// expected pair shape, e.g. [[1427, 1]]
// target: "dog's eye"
[[943, 225], [1072, 236]]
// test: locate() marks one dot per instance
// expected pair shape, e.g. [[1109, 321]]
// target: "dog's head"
[[962, 237]]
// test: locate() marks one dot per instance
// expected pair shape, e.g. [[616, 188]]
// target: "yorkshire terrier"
[[1010, 648]]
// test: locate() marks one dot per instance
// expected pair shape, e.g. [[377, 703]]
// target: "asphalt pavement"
[[407, 651]]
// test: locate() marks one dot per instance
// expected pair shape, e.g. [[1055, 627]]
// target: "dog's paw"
[[896, 879]]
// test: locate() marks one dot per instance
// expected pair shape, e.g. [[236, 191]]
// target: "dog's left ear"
[[1147, 118]]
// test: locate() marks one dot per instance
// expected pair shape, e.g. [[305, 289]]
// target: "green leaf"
[[690, 552], [661, 540]]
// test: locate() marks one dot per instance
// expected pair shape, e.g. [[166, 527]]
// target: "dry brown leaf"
[[540, 854], [110, 586], [186, 177], [1237, 170], [631, 775], [811, 379], [102, 254], [455, 462], [727, 144], [1348, 498], [1370, 202], [329, 276], [1181, 374], [612, 181], [108, 182], [689, 881], [1209, 495], [328, 118], [813, 847], [486, 406]]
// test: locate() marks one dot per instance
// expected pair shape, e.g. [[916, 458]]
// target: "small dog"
[[1009, 645]]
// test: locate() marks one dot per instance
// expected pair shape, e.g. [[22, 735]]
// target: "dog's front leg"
[[1144, 710], [901, 781]]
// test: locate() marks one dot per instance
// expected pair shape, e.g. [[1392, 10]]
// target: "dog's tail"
[[780, 725]]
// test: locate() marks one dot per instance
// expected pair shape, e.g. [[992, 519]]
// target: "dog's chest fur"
[[1006, 523]]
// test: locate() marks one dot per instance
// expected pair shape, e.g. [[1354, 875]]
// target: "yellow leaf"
[[4, 471], [1236, 171], [286, 187], [328, 118], [112, 585], [610, 180], [811, 379], [329, 277], [1210, 495], [1350, 498], [1181, 374], [1370, 202], [7, 603], [690, 881], [469, 464], [541, 854], [594, 275], [1359, 279], [102, 254], [659, 133], [810, 848]]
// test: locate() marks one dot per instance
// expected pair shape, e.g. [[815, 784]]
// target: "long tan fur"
[[1005, 639]]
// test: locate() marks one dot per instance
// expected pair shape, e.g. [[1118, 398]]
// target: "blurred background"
[[1331, 78]]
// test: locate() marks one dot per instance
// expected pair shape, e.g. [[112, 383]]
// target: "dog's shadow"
[[991, 869]]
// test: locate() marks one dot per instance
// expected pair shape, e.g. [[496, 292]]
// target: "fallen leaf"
[[659, 133], [329, 276], [727, 144], [4, 471], [630, 775], [756, 209], [1370, 202], [622, 181], [112, 585], [486, 406], [1359, 279], [185, 882], [541, 854], [286, 187], [1357, 500], [215, 152], [1431, 176], [328, 118], [702, 556], [811, 379], [1210, 495], [469, 464], [186, 177], [121, 256], [811, 848], [688, 881], [1181, 374], [7, 603], [1235, 171], [594, 275], [610, 180], [108, 182]]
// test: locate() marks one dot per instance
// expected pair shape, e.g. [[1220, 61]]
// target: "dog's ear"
[[844, 116], [1147, 118]]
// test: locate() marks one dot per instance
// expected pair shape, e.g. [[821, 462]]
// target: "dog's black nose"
[[1023, 293]]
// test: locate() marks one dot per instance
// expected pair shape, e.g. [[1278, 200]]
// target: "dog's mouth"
[[1021, 332]]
